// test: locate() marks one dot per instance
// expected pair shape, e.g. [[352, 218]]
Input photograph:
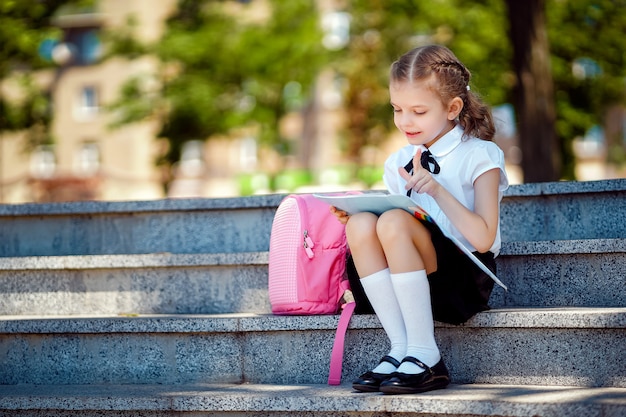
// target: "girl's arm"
[[479, 226]]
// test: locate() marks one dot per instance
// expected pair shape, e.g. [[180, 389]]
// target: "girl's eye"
[[419, 113], [396, 110]]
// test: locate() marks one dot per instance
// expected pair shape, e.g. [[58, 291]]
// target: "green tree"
[[221, 72], [589, 68], [24, 26]]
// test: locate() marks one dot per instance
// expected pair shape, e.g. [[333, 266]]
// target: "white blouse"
[[462, 161]]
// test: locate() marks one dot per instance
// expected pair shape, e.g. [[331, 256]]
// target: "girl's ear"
[[454, 108]]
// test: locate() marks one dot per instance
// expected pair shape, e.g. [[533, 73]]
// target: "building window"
[[88, 103], [87, 160], [85, 43], [43, 162]]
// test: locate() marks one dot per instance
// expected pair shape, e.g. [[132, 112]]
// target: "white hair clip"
[[468, 87]]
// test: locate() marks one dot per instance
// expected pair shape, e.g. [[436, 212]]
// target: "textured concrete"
[[564, 325], [585, 273], [308, 400], [563, 244], [176, 226], [142, 284], [549, 211], [564, 210], [572, 346], [546, 273]]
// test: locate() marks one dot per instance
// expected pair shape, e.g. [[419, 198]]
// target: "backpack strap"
[[336, 357]]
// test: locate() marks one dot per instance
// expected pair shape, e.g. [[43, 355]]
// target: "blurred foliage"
[[221, 71], [224, 74], [31, 113], [588, 47], [122, 41], [24, 27]]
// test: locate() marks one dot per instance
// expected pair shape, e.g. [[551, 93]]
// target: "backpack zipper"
[[308, 244]]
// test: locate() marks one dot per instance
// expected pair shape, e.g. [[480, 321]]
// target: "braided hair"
[[450, 79]]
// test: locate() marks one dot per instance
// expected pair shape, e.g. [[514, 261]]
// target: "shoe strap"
[[391, 360], [418, 363]]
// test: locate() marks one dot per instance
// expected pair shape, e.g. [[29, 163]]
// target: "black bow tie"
[[427, 159]]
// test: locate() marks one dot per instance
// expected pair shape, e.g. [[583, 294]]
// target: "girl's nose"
[[405, 119]]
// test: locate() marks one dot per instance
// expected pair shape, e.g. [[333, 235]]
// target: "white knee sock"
[[413, 295], [381, 295]]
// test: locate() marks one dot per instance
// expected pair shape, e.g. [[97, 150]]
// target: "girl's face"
[[419, 113]]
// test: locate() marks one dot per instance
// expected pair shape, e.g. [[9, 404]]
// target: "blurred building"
[[88, 159]]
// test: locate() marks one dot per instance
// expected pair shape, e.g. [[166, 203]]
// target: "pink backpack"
[[307, 266], [307, 260]]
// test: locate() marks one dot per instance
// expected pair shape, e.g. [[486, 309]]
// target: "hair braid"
[[451, 79]]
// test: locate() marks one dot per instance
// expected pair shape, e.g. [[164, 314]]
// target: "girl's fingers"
[[420, 177], [417, 160]]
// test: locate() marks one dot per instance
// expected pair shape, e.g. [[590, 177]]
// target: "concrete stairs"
[[160, 308]]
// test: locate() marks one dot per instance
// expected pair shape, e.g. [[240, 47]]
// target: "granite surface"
[[583, 273], [572, 346], [272, 200], [548, 211], [311, 400], [135, 284]]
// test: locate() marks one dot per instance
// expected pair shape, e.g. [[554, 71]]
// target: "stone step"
[[586, 273], [221, 400], [182, 226], [582, 273], [162, 283], [564, 211], [525, 346], [547, 211]]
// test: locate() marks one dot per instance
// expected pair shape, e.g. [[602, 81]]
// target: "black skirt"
[[458, 289]]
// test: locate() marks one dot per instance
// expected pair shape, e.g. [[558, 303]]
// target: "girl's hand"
[[341, 215], [421, 181]]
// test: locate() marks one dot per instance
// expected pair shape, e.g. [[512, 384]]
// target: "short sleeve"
[[486, 157]]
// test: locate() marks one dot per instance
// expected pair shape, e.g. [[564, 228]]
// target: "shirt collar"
[[446, 143]]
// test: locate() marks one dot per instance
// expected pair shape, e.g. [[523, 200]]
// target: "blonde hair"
[[451, 79]]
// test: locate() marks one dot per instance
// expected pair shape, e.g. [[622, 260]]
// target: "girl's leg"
[[380, 293], [409, 250], [406, 243], [413, 294], [363, 241], [371, 264]]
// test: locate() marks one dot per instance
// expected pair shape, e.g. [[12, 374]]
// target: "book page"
[[376, 203]]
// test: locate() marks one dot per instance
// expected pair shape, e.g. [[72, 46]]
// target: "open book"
[[378, 203]]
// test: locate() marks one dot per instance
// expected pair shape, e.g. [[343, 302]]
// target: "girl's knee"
[[361, 225], [399, 224], [393, 221]]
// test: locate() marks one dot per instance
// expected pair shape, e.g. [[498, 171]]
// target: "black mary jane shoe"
[[370, 381], [433, 378]]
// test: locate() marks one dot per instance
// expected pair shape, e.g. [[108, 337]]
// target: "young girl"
[[411, 273]]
